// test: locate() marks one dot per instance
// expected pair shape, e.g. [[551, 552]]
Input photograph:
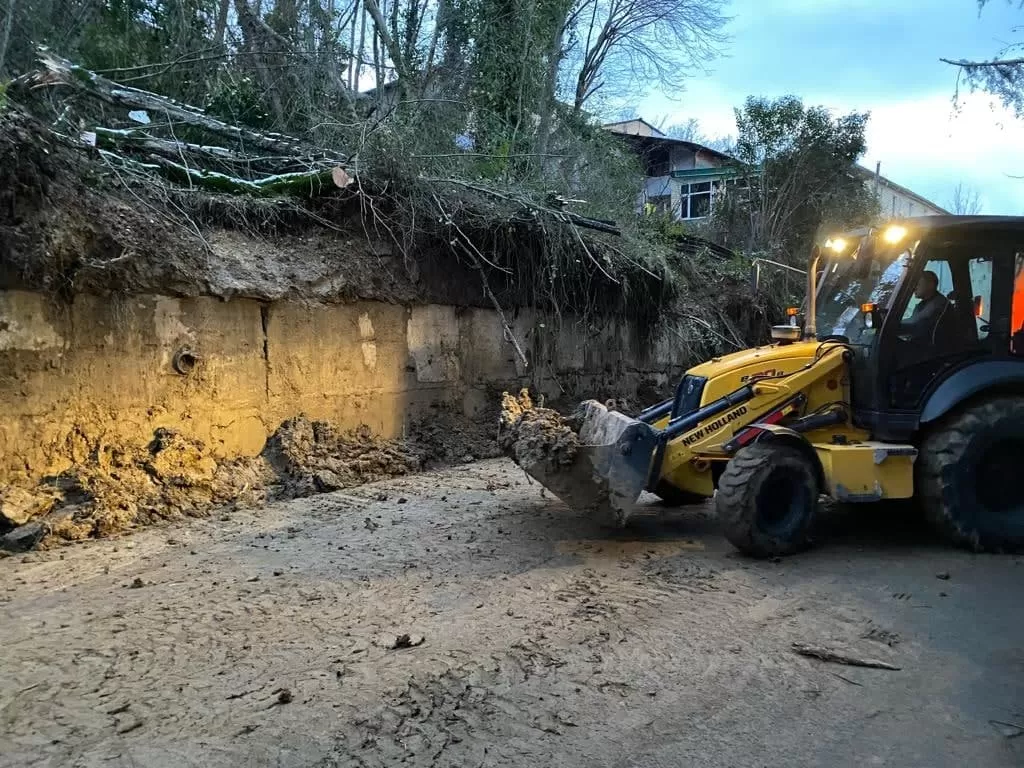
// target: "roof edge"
[[868, 174]]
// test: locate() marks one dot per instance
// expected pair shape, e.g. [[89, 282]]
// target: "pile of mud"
[[313, 457], [532, 435], [121, 487]]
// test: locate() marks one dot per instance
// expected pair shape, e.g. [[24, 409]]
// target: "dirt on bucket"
[[533, 435]]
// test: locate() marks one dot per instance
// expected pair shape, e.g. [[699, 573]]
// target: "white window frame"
[[686, 195]]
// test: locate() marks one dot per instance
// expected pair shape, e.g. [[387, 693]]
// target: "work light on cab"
[[836, 244], [894, 234]]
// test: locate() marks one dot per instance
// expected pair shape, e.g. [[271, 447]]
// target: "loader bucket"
[[611, 467]]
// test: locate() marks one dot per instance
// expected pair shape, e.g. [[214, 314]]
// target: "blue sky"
[[880, 56]]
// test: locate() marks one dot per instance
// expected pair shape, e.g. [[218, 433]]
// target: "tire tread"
[[737, 492], [941, 451]]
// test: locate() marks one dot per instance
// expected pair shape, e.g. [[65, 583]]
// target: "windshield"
[[864, 277]]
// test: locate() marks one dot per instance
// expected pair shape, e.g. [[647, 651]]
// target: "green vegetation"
[[798, 179], [479, 127]]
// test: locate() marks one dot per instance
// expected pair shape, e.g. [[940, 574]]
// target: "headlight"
[[894, 234], [837, 244]]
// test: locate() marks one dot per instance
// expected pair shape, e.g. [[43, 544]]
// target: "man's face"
[[925, 288]]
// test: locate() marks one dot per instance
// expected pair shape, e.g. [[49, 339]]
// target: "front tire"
[[969, 476], [767, 499]]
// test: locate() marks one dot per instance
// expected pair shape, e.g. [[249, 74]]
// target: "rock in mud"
[[532, 435], [23, 538], [18, 506], [179, 461], [405, 641]]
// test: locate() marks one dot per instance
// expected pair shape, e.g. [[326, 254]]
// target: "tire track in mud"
[[616, 648], [548, 641]]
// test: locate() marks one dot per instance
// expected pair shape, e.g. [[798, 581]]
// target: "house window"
[[695, 200]]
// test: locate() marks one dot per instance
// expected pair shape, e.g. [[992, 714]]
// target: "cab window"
[[949, 311], [981, 295], [943, 323], [944, 275]]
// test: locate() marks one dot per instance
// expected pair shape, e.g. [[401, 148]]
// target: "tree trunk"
[[220, 28], [248, 22], [307, 184], [546, 108], [356, 52], [139, 141], [62, 72], [389, 43], [5, 32]]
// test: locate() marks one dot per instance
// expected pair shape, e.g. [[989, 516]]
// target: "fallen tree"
[[525, 249], [444, 227], [57, 71]]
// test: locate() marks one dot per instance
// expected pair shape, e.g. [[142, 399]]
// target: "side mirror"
[[873, 316]]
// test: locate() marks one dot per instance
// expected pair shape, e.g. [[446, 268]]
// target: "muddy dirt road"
[[266, 639]]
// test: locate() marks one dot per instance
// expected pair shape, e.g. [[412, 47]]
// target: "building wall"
[[707, 160], [72, 377], [657, 187], [897, 203]]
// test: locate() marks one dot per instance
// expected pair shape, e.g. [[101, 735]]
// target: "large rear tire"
[[968, 475], [767, 498]]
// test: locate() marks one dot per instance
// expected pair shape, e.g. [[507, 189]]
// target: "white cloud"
[[925, 144]]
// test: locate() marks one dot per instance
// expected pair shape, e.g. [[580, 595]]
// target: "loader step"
[[867, 471]]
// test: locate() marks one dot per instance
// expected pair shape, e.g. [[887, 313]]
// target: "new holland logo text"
[[714, 426], [771, 373]]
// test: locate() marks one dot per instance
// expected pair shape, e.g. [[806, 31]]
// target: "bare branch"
[[965, 201], [629, 42], [983, 64]]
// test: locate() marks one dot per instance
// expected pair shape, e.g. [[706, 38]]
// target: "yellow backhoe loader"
[[901, 377]]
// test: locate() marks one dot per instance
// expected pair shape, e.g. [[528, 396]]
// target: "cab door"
[[973, 322]]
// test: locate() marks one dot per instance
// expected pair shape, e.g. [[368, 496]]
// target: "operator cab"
[[932, 309]]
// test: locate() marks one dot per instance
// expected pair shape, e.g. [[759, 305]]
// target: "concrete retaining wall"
[[102, 370]]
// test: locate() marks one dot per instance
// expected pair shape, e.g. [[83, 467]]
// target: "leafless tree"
[[623, 45], [1003, 75], [691, 131], [688, 131], [966, 201]]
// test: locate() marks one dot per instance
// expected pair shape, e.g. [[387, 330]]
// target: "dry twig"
[[837, 657]]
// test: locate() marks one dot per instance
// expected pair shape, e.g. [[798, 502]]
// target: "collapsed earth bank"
[[165, 351]]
